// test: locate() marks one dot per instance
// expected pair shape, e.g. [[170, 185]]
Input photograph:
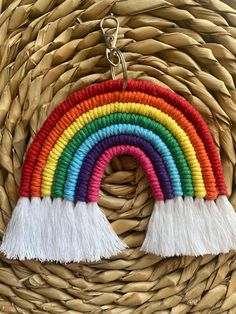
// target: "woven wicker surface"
[[50, 49]]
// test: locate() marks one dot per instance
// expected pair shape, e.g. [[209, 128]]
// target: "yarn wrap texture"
[[64, 166], [57, 47]]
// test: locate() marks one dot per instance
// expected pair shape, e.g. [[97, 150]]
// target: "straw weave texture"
[[51, 48]]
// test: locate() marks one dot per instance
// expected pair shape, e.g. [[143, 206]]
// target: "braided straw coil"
[[50, 49]]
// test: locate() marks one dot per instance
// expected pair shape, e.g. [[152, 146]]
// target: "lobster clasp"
[[109, 35], [113, 54]]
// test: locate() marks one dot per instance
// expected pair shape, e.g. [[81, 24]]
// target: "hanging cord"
[[113, 54]]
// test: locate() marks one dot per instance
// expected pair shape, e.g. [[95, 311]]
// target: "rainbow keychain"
[[57, 217]]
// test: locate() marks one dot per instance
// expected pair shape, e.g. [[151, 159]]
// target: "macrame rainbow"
[[57, 216]]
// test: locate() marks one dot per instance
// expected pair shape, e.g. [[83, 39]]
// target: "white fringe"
[[27, 234], [191, 227], [39, 213], [95, 235], [160, 227], [56, 231], [229, 215], [61, 232], [17, 232]]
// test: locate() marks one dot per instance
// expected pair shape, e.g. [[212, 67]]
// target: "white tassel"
[[180, 233], [26, 235], [95, 235], [17, 238], [38, 221], [61, 231], [229, 215], [56, 231], [40, 229], [223, 222], [172, 229], [159, 238], [191, 227]]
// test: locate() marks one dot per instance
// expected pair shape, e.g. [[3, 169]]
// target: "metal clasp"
[[113, 54], [110, 39]]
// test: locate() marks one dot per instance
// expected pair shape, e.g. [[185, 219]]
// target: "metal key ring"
[[112, 51]]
